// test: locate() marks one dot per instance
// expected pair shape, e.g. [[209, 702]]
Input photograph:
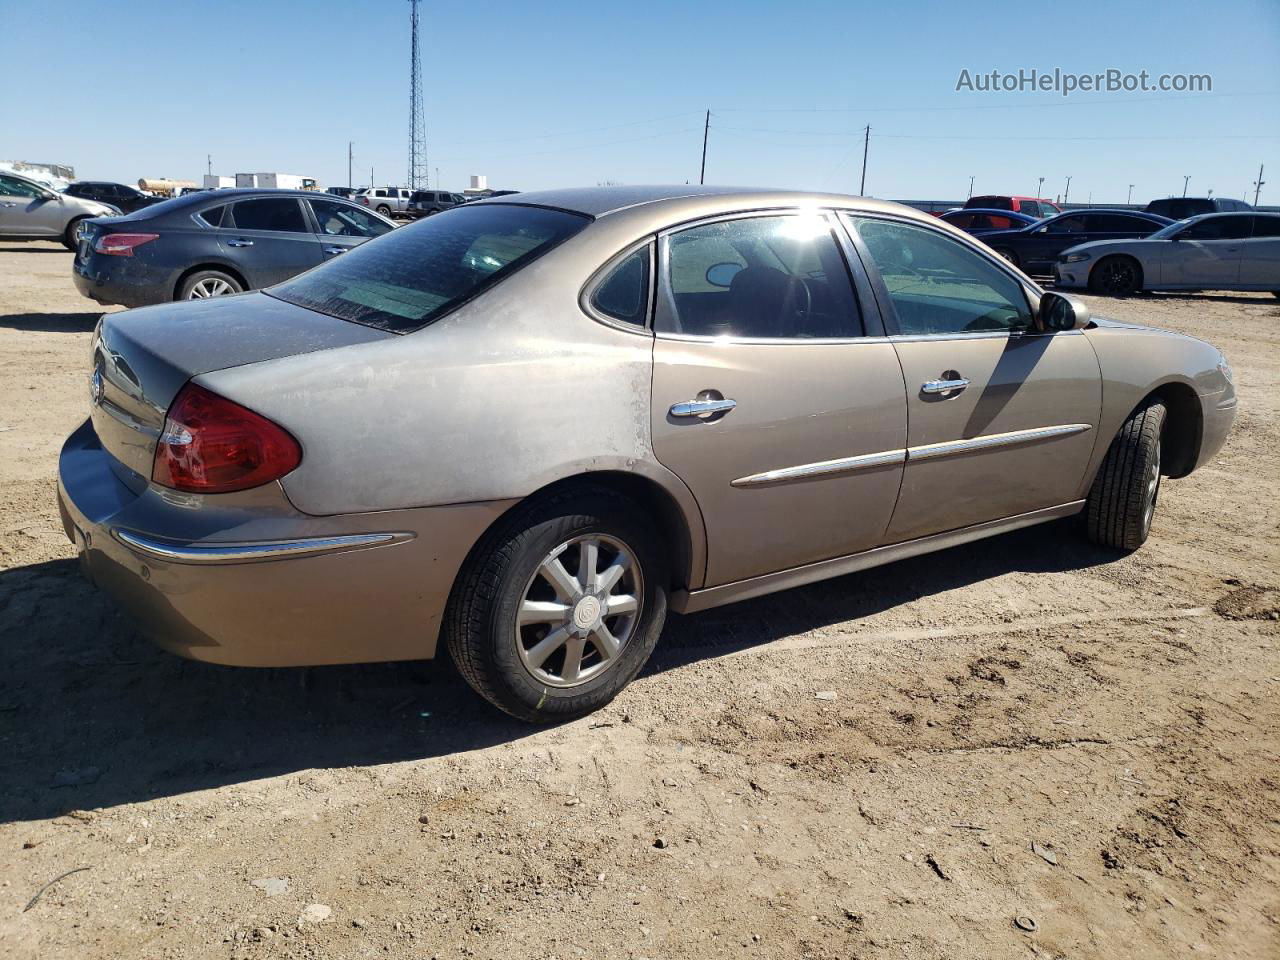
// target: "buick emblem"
[[96, 389]]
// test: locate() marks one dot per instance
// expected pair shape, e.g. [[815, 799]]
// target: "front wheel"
[[384, 210], [1007, 254], [560, 607], [70, 238], [1122, 502], [1116, 277]]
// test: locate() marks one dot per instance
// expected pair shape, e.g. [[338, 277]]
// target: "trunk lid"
[[141, 359]]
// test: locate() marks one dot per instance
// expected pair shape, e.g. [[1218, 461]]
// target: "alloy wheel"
[[1151, 490], [1118, 277], [571, 627], [210, 287]]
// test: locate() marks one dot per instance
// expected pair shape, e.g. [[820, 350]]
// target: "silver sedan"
[[527, 427]]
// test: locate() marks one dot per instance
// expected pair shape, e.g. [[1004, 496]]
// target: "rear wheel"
[[1122, 503], [384, 210], [1116, 277], [208, 283], [559, 608], [1008, 254], [69, 236]]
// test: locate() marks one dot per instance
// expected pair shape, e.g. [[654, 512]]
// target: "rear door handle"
[[944, 386], [702, 409], [335, 250], [240, 243]]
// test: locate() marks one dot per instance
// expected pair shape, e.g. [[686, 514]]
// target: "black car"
[[1036, 248], [347, 192], [117, 194], [1180, 208], [216, 243]]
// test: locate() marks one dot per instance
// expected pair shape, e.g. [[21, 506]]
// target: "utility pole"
[[706, 129], [970, 189], [1128, 201], [866, 142], [350, 160], [208, 159], [437, 178], [1257, 186], [1038, 186], [1185, 180], [1067, 193]]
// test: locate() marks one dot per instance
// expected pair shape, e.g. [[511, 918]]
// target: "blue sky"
[[573, 93]]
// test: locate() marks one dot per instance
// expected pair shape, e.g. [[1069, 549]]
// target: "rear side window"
[[282, 214], [412, 276], [1266, 227], [213, 216], [624, 293], [1229, 227]]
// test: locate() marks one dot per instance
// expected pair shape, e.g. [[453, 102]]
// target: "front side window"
[[624, 293], [346, 220], [1070, 224], [282, 214], [413, 276], [779, 277], [938, 285], [13, 187], [1266, 227]]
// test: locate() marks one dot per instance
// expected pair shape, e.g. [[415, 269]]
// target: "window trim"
[[664, 298], [888, 311], [602, 274]]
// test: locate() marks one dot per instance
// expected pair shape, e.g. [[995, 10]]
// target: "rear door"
[[1001, 418], [341, 226], [772, 398], [1260, 259], [1207, 252], [268, 239]]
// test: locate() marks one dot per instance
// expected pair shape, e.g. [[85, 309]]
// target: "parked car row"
[[1035, 247], [342, 468]]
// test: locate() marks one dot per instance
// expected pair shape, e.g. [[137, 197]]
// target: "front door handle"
[[240, 243], [333, 251], [703, 409], [8, 204], [944, 386]]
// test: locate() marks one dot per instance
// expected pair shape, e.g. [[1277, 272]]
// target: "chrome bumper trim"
[[251, 552], [951, 448]]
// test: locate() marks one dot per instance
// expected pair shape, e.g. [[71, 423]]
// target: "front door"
[[268, 239], [27, 210], [342, 226], [1206, 253], [769, 400], [1260, 259], [1002, 418]]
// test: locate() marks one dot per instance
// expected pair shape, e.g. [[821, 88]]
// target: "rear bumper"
[[246, 580], [122, 282]]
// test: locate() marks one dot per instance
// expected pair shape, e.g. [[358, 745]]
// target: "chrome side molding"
[[929, 451], [951, 448], [253, 551], [825, 468]]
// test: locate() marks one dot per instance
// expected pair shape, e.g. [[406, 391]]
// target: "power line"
[[1034, 105]]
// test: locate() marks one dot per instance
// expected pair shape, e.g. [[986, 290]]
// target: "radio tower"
[[417, 125]]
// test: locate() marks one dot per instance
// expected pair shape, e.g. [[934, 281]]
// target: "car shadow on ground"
[[23, 248], [92, 715], [51, 322]]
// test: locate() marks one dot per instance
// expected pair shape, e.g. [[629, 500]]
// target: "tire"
[[1007, 254], [208, 283], [1116, 276], [1123, 499], [69, 234], [499, 658], [384, 210]]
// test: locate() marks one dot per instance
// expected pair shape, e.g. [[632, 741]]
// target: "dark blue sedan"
[[979, 221], [214, 243], [1035, 248]]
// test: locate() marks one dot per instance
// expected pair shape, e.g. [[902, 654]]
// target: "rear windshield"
[[409, 277]]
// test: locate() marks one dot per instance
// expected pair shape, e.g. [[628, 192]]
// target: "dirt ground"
[[1026, 747]]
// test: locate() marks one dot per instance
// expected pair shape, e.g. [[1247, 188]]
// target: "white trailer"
[[214, 182], [280, 181]]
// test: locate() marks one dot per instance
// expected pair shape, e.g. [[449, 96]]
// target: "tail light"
[[211, 445], [365, 201], [122, 244]]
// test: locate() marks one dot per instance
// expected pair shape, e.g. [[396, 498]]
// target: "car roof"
[[604, 201], [999, 211]]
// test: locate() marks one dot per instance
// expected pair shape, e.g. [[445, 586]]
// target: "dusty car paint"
[[832, 460]]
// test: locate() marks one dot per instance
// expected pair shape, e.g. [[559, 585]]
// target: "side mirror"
[[1059, 312]]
